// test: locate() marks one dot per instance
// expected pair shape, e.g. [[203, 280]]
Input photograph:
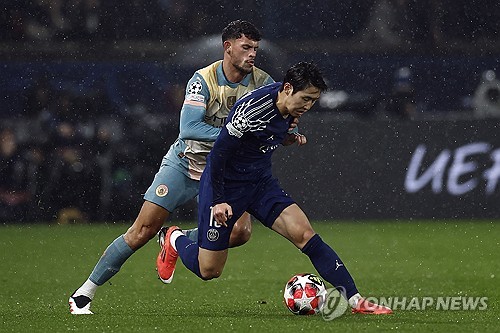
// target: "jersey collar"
[[223, 81]]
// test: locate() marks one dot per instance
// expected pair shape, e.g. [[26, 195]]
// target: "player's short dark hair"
[[235, 29], [303, 75]]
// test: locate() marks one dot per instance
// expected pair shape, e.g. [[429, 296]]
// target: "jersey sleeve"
[[192, 125], [249, 115], [221, 152]]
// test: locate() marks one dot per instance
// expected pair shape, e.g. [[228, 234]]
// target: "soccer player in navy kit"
[[238, 178], [210, 94]]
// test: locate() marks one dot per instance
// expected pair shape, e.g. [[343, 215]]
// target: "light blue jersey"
[[208, 99]]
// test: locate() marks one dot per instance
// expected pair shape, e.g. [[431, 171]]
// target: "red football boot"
[[167, 258], [365, 307]]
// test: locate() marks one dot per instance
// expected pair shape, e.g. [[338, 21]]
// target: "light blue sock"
[[192, 234], [111, 261]]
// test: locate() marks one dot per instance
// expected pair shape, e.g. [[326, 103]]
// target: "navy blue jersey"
[[242, 153]]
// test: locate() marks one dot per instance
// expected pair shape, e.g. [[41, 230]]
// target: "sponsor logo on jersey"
[[265, 149], [161, 190], [215, 121], [195, 98]]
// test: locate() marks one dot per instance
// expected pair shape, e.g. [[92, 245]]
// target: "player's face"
[[242, 53], [302, 101]]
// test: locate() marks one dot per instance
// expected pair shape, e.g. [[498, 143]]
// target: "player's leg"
[[211, 263], [205, 263], [207, 257], [146, 225], [294, 225], [241, 233], [169, 189], [208, 262]]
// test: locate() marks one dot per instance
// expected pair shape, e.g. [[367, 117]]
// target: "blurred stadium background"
[[91, 90]]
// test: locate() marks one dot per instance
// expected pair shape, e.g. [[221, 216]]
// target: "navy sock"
[[329, 265], [188, 252]]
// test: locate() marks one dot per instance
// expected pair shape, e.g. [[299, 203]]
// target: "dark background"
[[91, 90]]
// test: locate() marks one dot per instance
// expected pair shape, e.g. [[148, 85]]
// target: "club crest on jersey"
[[161, 190], [230, 101]]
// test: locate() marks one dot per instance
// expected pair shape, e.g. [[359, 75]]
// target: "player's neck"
[[280, 104], [231, 73]]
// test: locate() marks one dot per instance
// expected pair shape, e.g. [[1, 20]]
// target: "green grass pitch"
[[41, 265]]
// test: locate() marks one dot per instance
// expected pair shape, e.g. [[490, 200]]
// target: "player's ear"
[[288, 88], [227, 46]]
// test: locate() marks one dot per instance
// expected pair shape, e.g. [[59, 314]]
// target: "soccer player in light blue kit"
[[210, 94], [238, 179]]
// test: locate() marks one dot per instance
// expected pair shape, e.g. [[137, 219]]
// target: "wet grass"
[[41, 265]]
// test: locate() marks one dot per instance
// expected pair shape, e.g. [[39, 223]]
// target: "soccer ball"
[[305, 294]]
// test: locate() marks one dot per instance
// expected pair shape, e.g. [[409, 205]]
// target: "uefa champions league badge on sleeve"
[[195, 88]]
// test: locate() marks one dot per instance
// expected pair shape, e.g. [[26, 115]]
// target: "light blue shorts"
[[171, 188]]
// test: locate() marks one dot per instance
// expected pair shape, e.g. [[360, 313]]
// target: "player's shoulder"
[[210, 70], [268, 89], [204, 79], [261, 77], [261, 94]]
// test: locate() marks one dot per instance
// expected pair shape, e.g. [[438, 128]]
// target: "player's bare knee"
[[307, 235], [304, 238], [244, 236], [239, 237], [241, 232], [138, 236], [210, 273]]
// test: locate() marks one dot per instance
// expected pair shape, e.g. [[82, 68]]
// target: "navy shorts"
[[265, 201]]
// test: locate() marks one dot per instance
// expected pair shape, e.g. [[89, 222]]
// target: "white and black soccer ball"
[[305, 294]]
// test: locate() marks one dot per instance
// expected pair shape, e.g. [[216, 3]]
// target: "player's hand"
[[293, 124], [291, 138], [222, 212]]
